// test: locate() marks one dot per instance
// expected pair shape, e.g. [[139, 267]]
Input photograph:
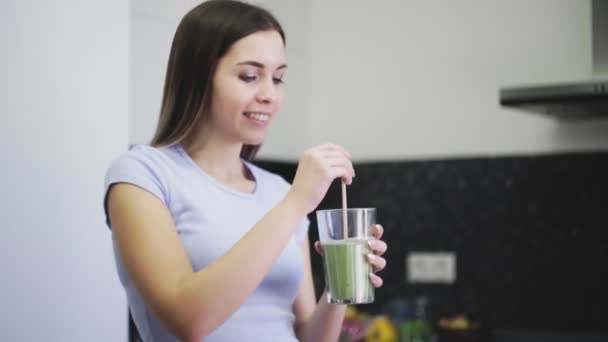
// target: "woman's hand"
[[377, 248], [317, 169]]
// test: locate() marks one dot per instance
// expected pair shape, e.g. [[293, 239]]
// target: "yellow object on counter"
[[382, 329]]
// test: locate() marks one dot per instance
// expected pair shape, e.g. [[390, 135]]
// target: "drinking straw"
[[344, 212]]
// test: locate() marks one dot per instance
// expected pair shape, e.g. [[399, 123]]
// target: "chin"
[[254, 140]]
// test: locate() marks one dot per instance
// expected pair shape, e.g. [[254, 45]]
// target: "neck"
[[219, 159]]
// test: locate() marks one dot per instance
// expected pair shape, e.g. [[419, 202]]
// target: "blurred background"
[[494, 213]]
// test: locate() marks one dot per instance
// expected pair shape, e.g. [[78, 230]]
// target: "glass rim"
[[347, 209]]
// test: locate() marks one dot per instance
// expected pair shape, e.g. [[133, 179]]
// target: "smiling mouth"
[[257, 116]]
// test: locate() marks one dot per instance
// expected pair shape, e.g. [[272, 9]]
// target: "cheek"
[[229, 97], [279, 99]]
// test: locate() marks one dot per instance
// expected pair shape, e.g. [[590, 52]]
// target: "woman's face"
[[248, 87]]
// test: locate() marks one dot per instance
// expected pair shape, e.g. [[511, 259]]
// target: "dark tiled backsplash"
[[530, 234]]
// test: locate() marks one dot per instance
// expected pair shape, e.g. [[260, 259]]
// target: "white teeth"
[[259, 116]]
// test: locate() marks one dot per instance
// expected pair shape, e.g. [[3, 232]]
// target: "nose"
[[267, 92]]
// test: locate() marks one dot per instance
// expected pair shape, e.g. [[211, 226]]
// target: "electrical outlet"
[[431, 267]]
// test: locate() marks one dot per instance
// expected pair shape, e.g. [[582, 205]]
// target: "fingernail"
[[371, 257]]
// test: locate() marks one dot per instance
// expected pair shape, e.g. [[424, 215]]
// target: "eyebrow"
[[259, 65]]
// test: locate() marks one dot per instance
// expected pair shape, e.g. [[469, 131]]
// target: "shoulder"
[[139, 158], [141, 165], [142, 154]]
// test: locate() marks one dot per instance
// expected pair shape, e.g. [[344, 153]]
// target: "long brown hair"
[[203, 36]]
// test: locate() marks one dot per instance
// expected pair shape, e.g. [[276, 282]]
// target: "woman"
[[209, 246]]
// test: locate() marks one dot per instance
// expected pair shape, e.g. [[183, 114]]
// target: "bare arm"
[[192, 304]]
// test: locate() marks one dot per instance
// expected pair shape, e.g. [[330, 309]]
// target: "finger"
[[319, 248], [341, 172], [376, 281], [339, 157], [378, 262], [377, 231], [379, 247], [336, 160], [330, 146], [333, 154], [341, 161], [347, 180]]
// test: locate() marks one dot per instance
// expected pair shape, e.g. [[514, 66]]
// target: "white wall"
[[64, 95], [418, 79], [402, 78], [290, 131], [153, 24]]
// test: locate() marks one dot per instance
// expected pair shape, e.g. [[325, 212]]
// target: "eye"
[[247, 78], [278, 78]]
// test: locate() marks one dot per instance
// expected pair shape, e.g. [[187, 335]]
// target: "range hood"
[[566, 101], [576, 100]]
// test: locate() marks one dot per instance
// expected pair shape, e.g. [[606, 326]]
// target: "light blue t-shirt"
[[210, 218]]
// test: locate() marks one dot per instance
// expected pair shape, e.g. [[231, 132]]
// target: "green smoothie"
[[347, 271]]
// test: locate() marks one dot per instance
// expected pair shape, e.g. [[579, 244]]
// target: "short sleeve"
[[136, 170]]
